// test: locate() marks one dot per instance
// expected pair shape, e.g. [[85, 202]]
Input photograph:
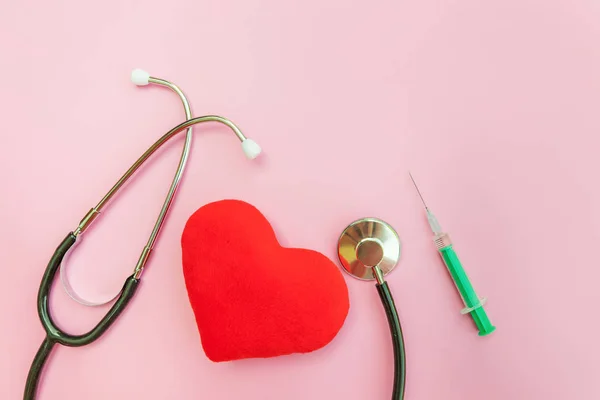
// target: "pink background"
[[492, 105]]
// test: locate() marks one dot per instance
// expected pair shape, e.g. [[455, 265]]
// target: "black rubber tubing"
[[35, 371], [397, 340], [53, 333]]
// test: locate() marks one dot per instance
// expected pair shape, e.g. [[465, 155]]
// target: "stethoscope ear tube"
[[397, 340]]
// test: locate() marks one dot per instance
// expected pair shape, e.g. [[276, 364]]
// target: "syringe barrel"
[[461, 280]]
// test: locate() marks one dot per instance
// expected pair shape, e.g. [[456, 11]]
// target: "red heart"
[[252, 297]]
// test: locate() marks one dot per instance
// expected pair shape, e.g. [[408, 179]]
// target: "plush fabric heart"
[[252, 297]]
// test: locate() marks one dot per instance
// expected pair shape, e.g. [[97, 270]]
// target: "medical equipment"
[[55, 334], [473, 304], [369, 249], [140, 78]]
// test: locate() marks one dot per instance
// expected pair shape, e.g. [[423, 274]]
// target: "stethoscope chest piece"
[[366, 243]]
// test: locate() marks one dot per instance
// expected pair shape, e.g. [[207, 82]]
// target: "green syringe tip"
[[482, 322]]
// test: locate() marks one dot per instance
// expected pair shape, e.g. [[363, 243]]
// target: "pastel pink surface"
[[492, 105]]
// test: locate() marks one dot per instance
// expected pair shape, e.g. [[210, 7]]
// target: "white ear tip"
[[251, 148], [140, 77]]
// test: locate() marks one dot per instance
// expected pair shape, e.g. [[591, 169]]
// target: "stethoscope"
[[54, 334], [368, 250]]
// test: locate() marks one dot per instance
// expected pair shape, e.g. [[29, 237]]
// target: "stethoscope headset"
[[368, 249]]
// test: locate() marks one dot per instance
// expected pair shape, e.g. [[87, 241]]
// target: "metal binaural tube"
[[209, 118], [180, 168], [158, 144], [151, 150], [85, 222], [94, 212]]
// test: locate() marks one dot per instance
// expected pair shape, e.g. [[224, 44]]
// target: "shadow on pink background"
[[492, 105]]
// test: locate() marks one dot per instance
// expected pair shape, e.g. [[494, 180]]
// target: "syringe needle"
[[473, 304], [433, 223], [418, 191]]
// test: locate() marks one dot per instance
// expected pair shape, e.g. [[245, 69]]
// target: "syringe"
[[473, 304]]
